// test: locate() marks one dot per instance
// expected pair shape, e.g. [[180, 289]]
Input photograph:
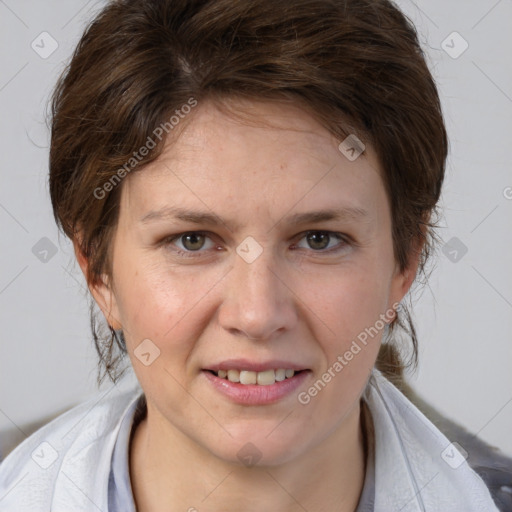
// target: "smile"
[[264, 378], [256, 388]]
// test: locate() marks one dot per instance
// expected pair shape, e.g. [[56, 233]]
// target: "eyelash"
[[197, 254]]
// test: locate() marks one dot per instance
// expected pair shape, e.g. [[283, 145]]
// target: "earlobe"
[[80, 256], [407, 278], [101, 290], [403, 279], [106, 300]]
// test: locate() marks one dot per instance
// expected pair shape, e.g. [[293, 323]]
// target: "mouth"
[[249, 383], [261, 378]]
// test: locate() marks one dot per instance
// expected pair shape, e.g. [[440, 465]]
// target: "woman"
[[250, 188]]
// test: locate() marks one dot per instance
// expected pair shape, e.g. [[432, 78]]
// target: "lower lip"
[[256, 394]]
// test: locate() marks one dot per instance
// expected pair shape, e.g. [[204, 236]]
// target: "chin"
[[256, 448]]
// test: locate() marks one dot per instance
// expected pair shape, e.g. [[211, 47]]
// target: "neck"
[[169, 471]]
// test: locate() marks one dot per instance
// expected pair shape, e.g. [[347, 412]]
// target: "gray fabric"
[[120, 495]]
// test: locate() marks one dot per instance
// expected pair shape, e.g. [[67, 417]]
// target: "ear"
[[101, 290], [402, 280]]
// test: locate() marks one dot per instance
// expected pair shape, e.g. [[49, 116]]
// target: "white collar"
[[410, 472], [411, 469]]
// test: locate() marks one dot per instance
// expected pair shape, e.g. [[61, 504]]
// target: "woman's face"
[[264, 283]]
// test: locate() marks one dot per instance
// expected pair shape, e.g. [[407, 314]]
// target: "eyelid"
[[168, 240], [344, 240]]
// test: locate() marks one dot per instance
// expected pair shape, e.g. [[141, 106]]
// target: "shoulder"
[[417, 466], [77, 442], [492, 465]]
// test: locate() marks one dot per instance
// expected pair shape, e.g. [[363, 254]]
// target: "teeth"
[[247, 377], [264, 378], [280, 374], [234, 375]]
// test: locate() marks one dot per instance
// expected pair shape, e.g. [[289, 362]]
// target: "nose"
[[257, 302]]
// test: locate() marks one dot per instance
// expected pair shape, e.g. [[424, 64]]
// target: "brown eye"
[[324, 241], [318, 239], [193, 241]]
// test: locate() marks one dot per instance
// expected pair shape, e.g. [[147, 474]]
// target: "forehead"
[[256, 156]]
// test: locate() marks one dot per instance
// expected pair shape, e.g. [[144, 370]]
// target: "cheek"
[[159, 304], [345, 301], [349, 331], [161, 308], [347, 307]]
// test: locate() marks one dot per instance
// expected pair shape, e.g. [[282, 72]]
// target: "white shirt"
[[79, 461], [120, 497]]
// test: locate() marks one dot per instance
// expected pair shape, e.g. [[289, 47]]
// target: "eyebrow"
[[206, 218]]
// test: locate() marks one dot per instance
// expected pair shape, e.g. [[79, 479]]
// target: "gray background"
[[464, 319]]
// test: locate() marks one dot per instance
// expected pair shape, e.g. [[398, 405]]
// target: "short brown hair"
[[355, 65]]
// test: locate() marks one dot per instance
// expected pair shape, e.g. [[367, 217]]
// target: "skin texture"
[[297, 301]]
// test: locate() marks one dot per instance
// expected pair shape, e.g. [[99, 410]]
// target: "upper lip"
[[245, 364]]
